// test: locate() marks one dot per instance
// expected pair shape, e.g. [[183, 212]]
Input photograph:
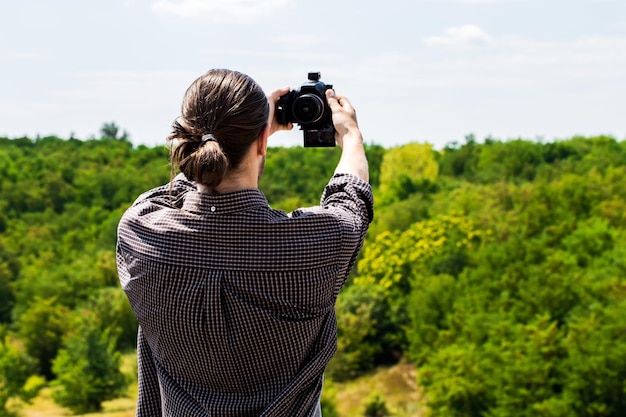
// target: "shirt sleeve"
[[352, 201], [352, 194]]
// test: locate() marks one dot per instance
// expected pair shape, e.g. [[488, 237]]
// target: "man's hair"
[[232, 108]]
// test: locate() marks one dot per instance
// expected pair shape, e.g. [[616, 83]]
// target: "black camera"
[[308, 108]]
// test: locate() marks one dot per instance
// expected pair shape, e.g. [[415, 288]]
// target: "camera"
[[308, 108]]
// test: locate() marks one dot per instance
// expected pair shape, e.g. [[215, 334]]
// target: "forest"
[[497, 268]]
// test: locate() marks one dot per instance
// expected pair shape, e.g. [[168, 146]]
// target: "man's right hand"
[[344, 117], [348, 136]]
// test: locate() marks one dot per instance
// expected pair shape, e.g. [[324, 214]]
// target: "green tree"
[[15, 369], [460, 162], [376, 407], [373, 311], [407, 169], [361, 325], [87, 368], [328, 401], [8, 275], [114, 315], [498, 268], [506, 327], [111, 130], [41, 328]]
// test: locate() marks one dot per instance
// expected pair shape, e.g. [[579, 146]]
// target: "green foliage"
[[375, 155], [498, 268], [373, 312], [41, 328], [405, 170], [505, 279], [524, 327], [7, 274], [87, 368], [460, 162], [376, 407], [400, 215], [362, 328], [284, 182], [15, 369], [111, 130], [114, 315], [328, 401], [515, 160], [295, 177]]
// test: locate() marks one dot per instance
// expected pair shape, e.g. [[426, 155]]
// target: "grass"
[[44, 406], [396, 385]]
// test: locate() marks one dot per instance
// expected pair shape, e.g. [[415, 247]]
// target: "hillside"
[[497, 270]]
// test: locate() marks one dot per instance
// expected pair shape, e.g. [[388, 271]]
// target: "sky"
[[428, 71]]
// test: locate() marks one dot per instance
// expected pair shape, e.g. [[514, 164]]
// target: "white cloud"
[[222, 11], [460, 35]]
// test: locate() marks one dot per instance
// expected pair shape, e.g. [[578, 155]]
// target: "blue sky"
[[416, 70]]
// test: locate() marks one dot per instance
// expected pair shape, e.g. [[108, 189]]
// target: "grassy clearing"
[[44, 406], [396, 385]]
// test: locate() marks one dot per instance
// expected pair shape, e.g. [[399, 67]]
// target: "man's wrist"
[[351, 138]]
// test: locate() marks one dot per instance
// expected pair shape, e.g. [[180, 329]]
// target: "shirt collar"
[[244, 200]]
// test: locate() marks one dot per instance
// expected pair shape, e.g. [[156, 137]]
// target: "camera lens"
[[308, 108]]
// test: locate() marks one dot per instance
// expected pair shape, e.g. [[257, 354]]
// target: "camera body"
[[308, 107]]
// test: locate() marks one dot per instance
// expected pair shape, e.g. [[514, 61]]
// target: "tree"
[[111, 130], [115, 316], [87, 368], [8, 273], [361, 337], [373, 311], [376, 407], [328, 402], [15, 369], [407, 169], [41, 328], [527, 322]]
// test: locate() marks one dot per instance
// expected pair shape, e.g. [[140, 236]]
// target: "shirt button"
[[213, 208]]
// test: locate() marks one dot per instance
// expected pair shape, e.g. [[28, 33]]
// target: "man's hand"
[[348, 136], [344, 118], [273, 99]]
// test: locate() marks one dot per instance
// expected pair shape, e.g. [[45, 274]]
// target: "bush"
[[376, 407], [88, 369], [15, 368]]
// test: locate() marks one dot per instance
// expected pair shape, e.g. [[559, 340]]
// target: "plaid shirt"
[[235, 300]]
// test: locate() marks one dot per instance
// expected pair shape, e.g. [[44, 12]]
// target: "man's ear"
[[262, 141]]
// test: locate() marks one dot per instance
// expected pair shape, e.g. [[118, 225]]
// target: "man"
[[235, 300]]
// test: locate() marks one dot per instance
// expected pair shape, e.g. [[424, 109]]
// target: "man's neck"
[[247, 174], [244, 178], [230, 185]]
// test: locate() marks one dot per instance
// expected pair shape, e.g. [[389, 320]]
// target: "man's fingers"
[[276, 94], [333, 100], [273, 98], [340, 101]]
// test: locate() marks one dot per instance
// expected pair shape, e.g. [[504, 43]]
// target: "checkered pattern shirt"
[[235, 300]]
